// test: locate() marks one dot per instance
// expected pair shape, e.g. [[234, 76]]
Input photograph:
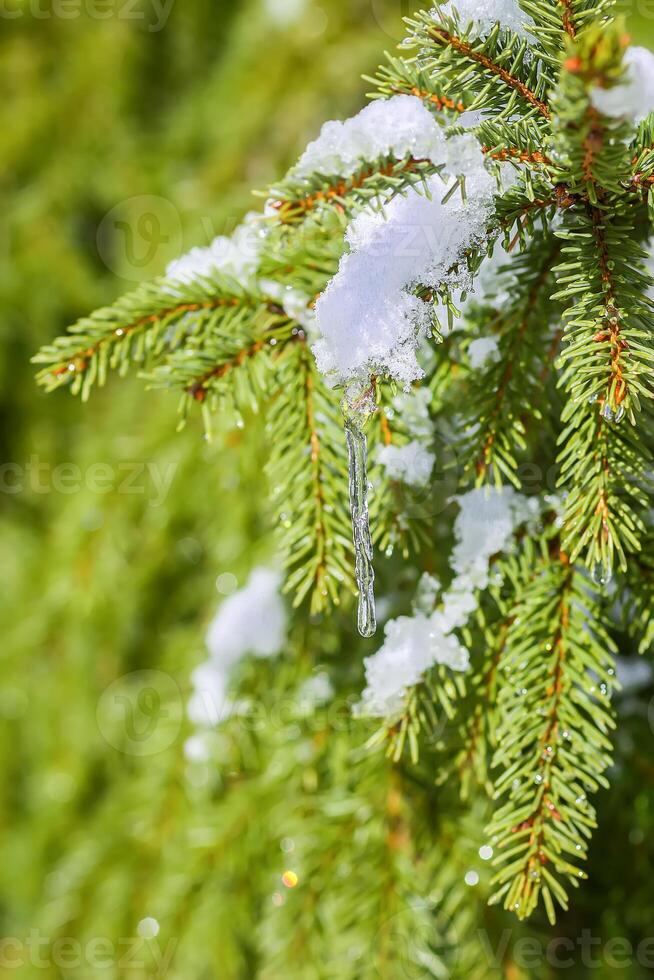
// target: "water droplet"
[[602, 573], [226, 583], [148, 928]]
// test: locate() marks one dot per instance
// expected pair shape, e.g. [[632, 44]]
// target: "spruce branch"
[[400, 76], [556, 23], [637, 619], [233, 360], [449, 54], [143, 327], [519, 142], [503, 398], [494, 620], [535, 707], [400, 516], [373, 183], [307, 457], [608, 352], [556, 678]]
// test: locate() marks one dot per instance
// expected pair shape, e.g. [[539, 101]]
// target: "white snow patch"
[[411, 464], [236, 255], [368, 318], [482, 350], [252, 620], [633, 98], [209, 704], [413, 409], [411, 647], [485, 525], [398, 127], [485, 14], [197, 748], [429, 588], [487, 520]]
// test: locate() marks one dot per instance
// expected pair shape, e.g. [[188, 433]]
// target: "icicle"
[[357, 411]]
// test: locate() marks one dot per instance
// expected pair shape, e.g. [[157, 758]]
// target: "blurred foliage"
[[122, 146]]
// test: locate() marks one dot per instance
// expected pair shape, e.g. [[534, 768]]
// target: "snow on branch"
[[485, 526], [370, 319]]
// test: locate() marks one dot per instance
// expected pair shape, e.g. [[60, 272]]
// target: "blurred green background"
[[129, 133]]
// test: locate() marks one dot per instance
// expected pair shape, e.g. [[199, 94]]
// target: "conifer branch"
[[144, 326], [608, 355], [637, 618], [504, 395], [371, 183], [491, 67], [402, 77], [473, 761], [307, 457], [448, 54], [400, 514], [535, 707], [553, 745], [568, 19]]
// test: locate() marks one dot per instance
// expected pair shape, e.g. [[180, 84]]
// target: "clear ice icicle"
[[356, 416]]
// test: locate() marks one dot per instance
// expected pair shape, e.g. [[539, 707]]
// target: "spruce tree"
[[448, 297]]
